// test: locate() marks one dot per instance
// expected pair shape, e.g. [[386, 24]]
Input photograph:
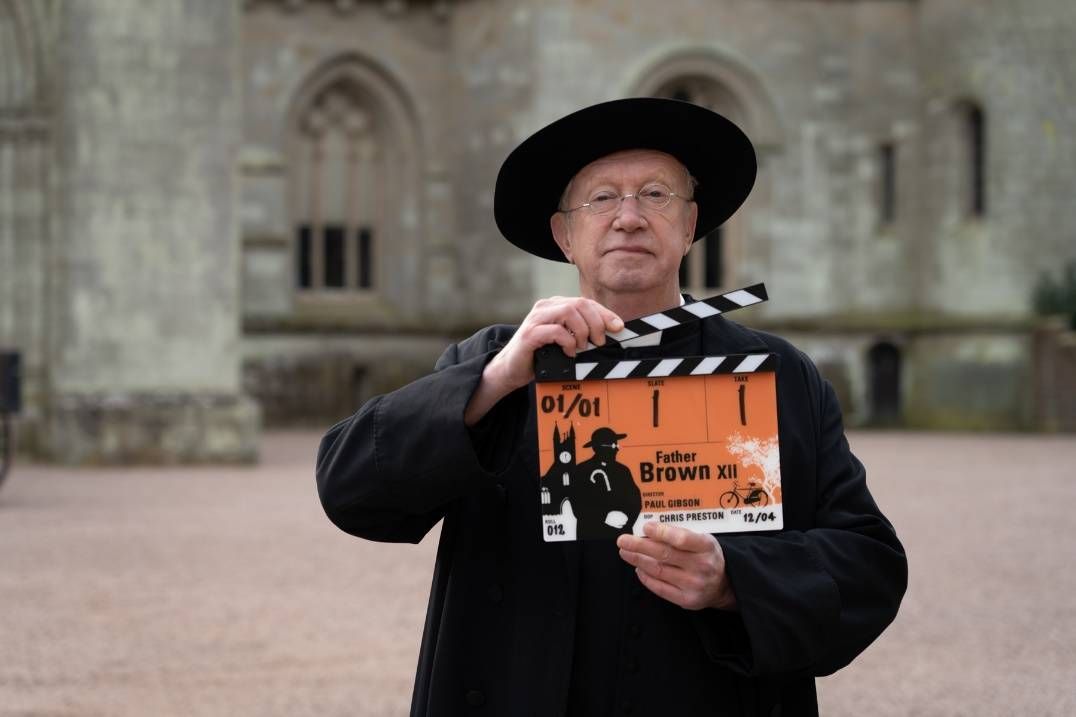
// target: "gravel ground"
[[225, 591]]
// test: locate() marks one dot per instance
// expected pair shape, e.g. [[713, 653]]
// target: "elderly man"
[[673, 622]]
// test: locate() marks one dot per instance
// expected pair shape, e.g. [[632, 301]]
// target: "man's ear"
[[558, 223], [692, 217]]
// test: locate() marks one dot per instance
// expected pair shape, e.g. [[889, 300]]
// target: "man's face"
[[633, 248], [605, 451]]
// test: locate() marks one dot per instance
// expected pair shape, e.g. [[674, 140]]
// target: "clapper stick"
[[688, 313], [552, 364]]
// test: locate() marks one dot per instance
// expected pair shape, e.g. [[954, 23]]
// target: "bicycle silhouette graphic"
[[752, 496]]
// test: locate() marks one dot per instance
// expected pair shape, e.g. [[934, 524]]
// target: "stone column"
[[144, 362]]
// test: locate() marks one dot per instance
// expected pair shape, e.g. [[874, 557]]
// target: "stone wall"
[[318, 378], [144, 306], [1018, 62], [495, 77], [947, 377], [970, 380]]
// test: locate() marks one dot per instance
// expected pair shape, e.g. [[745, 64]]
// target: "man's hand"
[[685, 568], [566, 321]]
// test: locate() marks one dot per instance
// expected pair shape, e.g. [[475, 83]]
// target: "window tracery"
[[339, 163]]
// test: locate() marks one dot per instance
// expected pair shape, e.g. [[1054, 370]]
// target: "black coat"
[[593, 497], [500, 625]]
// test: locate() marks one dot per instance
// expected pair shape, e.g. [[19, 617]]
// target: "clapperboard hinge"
[[552, 364]]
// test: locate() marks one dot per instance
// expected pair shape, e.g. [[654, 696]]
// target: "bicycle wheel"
[[731, 499]]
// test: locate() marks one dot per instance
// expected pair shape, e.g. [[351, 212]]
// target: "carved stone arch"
[[717, 79], [25, 31], [16, 66], [374, 78], [752, 106], [354, 171]]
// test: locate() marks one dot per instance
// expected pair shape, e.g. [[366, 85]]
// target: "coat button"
[[776, 711], [634, 630], [495, 594], [475, 698], [632, 664]]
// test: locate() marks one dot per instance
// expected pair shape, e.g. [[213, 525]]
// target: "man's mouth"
[[628, 249]]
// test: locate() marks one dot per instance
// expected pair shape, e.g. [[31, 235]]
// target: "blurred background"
[[220, 219], [214, 211]]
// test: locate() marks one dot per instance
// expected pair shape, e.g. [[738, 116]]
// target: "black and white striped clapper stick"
[[687, 366], [702, 309], [551, 364]]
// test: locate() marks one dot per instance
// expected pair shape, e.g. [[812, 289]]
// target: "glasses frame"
[[620, 201]]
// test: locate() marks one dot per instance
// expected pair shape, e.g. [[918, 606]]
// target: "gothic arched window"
[[339, 178]]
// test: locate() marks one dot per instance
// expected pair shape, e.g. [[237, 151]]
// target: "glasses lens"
[[655, 196], [603, 202]]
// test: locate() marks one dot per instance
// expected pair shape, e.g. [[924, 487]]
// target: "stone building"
[[208, 207], [119, 261]]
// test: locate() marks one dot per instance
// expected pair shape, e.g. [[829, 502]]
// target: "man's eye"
[[655, 194], [603, 198]]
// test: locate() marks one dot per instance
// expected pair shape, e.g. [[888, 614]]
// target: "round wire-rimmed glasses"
[[654, 196]]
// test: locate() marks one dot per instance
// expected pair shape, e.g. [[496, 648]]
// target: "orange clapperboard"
[[689, 440]]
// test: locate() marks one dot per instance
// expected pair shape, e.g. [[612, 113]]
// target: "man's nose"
[[628, 215]]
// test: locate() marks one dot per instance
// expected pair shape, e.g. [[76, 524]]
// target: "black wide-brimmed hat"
[[533, 177]]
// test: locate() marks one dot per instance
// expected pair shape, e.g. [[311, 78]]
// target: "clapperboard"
[[690, 441]]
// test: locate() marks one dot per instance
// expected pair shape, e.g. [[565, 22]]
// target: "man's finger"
[[659, 551], [666, 572], [612, 322], [554, 334], [595, 322], [679, 538], [577, 325], [661, 588]]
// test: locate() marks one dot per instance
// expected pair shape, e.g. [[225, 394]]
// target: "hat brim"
[[533, 177], [615, 437]]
